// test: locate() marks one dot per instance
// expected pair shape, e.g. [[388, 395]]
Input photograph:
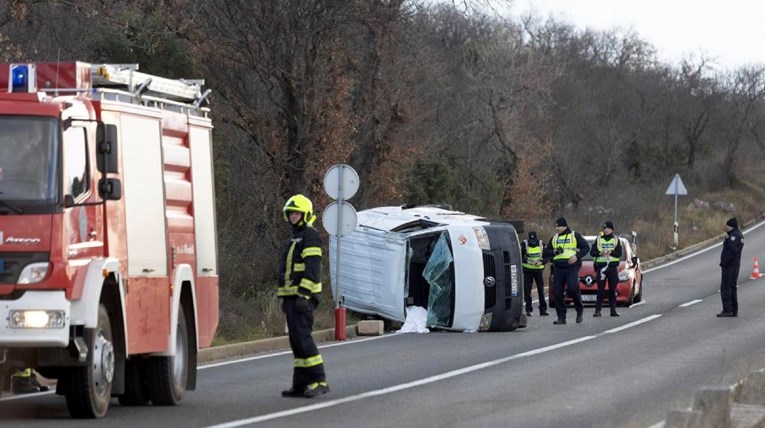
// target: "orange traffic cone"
[[756, 270]]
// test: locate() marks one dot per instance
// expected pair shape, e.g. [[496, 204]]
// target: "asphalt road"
[[607, 372]]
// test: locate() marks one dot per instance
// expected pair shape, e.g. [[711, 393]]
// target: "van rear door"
[[373, 272]]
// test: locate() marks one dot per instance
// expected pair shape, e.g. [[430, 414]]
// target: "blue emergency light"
[[22, 78]]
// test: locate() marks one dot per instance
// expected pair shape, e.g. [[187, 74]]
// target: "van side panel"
[[373, 275]]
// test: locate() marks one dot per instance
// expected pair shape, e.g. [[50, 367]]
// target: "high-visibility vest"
[[605, 244], [533, 254], [566, 242]]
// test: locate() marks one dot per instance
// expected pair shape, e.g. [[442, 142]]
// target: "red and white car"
[[629, 290]]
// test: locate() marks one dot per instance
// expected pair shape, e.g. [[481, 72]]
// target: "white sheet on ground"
[[415, 320]]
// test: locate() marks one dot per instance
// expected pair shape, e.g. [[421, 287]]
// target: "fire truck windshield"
[[28, 162]]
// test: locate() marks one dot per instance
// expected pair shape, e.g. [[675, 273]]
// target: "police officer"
[[299, 287], [566, 249], [606, 253], [730, 262], [533, 262]]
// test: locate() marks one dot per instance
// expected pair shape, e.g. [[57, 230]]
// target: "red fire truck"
[[108, 260]]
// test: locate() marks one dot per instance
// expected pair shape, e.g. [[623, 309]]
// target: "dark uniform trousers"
[[728, 292], [300, 326], [566, 280], [612, 276], [529, 277]]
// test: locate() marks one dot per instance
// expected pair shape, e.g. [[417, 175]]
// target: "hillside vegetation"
[[431, 103]]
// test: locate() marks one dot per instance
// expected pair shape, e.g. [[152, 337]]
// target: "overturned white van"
[[466, 270]]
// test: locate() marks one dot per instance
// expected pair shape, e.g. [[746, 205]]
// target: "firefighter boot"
[[21, 383], [315, 389], [294, 392]]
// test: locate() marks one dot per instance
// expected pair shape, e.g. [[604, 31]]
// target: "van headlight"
[[482, 237], [33, 272], [485, 322]]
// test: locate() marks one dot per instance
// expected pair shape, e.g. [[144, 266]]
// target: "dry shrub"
[[531, 183]]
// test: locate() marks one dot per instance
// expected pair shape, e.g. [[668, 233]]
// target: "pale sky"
[[730, 31]]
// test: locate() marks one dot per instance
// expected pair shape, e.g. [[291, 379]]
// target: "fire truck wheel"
[[89, 388], [168, 376], [3, 377], [136, 393]]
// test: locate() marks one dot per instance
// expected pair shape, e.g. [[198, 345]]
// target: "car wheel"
[[639, 295], [632, 295]]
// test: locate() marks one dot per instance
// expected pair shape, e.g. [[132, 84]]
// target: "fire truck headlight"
[[482, 237], [38, 319], [33, 272]]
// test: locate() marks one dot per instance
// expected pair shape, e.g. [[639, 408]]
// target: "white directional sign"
[[676, 187]]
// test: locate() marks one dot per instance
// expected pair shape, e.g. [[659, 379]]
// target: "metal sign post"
[[340, 182], [676, 187]]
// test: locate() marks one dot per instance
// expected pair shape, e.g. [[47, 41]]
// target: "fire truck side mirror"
[[110, 189], [106, 144]]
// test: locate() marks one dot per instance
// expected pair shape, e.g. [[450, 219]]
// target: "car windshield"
[[28, 160]]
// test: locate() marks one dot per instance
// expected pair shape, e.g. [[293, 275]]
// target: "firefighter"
[[299, 288], [533, 262], [730, 262], [606, 254], [566, 249]]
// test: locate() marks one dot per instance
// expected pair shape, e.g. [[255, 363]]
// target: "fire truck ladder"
[[126, 77]]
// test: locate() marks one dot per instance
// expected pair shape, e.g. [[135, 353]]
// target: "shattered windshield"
[[28, 160], [439, 272]]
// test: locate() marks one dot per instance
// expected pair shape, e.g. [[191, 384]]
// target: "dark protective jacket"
[[582, 247], [300, 269], [731, 251]]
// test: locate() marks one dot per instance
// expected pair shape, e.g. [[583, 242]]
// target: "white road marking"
[[692, 302], [420, 382], [276, 354], [632, 324]]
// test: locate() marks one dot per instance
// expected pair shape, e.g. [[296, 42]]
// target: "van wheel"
[[136, 393], [168, 376], [89, 388]]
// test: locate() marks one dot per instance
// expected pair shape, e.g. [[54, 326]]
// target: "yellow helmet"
[[301, 204]]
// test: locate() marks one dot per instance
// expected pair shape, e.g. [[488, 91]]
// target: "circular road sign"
[[331, 219], [333, 181]]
